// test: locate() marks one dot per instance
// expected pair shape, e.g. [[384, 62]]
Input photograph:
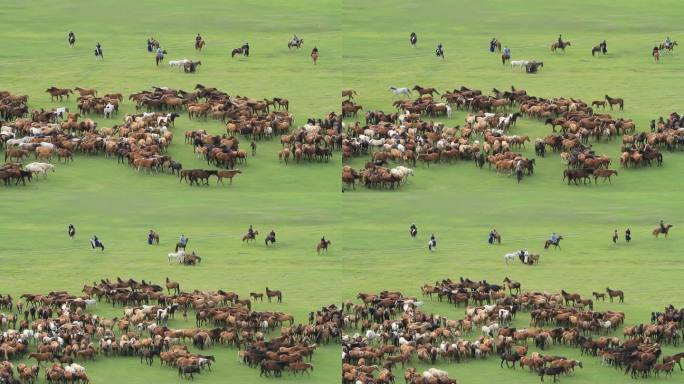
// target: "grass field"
[[364, 46], [460, 203], [120, 206]]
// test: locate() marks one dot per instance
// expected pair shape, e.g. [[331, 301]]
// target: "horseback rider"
[[198, 38], [98, 50], [323, 240], [604, 47], [71, 231], [507, 51], [72, 39], [413, 39], [433, 242], [295, 40], [492, 44], [668, 42], [554, 238], [662, 227], [628, 235], [440, 51], [96, 243], [560, 40], [182, 240], [272, 235], [413, 230], [150, 237], [250, 232], [245, 48]]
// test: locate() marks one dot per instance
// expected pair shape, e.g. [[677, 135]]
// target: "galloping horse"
[[560, 45], [295, 43], [669, 47], [269, 238], [556, 244], [199, 44], [323, 246], [664, 231], [244, 50], [250, 236], [399, 91]]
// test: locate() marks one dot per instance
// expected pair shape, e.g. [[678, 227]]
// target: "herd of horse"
[[405, 138], [386, 329], [61, 331]]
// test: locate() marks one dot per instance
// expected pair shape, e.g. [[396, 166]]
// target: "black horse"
[[556, 243], [244, 50], [270, 238]]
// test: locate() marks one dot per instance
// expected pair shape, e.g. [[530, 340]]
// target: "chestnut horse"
[[556, 46], [323, 246], [664, 231]]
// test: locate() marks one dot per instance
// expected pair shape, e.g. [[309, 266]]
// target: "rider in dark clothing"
[[560, 40], [72, 39], [198, 38], [246, 49], [413, 230], [628, 235], [272, 235], [71, 231], [662, 227], [98, 50]]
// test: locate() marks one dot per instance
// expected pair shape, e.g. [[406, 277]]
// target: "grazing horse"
[[277, 294], [560, 45], [615, 293], [556, 244], [323, 246], [664, 231], [295, 43], [250, 236], [611, 101], [400, 91]]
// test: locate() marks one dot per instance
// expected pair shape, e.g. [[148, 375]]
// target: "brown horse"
[[199, 45], [40, 357], [277, 294], [664, 231], [58, 93], [615, 101], [504, 58], [314, 55], [599, 103], [349, 93], [229, 174], [560, 45], [669, 47], [512, 285], [155, 237], [257, 295], [605, 173], [247, 237], [172, 285], [615, 293], [323, 246], [656, 55]]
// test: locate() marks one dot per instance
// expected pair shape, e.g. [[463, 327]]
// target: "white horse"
[[108, 110], [519, 64], [40, 168], [399, 91], [178, 63], [178, 256], [511, 256], [488, 330], [61, 111]]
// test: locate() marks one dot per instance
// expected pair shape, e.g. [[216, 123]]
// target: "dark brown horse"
[[323, 246], [58, 93], [615, 293], [560, 45], [664, 231], [199, 44], [615, 101], [556, 244], [277, 294]]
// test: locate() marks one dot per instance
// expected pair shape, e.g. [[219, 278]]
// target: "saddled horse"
[[323, 246], [560, 45], [599, 48], [250, 236], [556, 243], [182, 246], [199, 44], [159, 57], [295, 43], [244, 50], [269, 239], [665, 230], [668, 47], [505, 57], [155, 237]]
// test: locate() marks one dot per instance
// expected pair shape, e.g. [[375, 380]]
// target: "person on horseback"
[[71, 231], [72, 39], [604, 47], [272, 235], [507, 51], [198, 38], [150, 237], [96, 243], [413, 230], [628, 235], [440, 51], [149, 45], [432, 244], [615, 236], [182, 240], [662, 227], [250, 232], [295, 40], [413, 39], [245, 49], [160, 55], [492, 44], [98, 50], [560, 41], [668, 42], [554, 238]]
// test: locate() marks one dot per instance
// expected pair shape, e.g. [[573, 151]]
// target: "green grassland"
[[461, 203], [111, 200]]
